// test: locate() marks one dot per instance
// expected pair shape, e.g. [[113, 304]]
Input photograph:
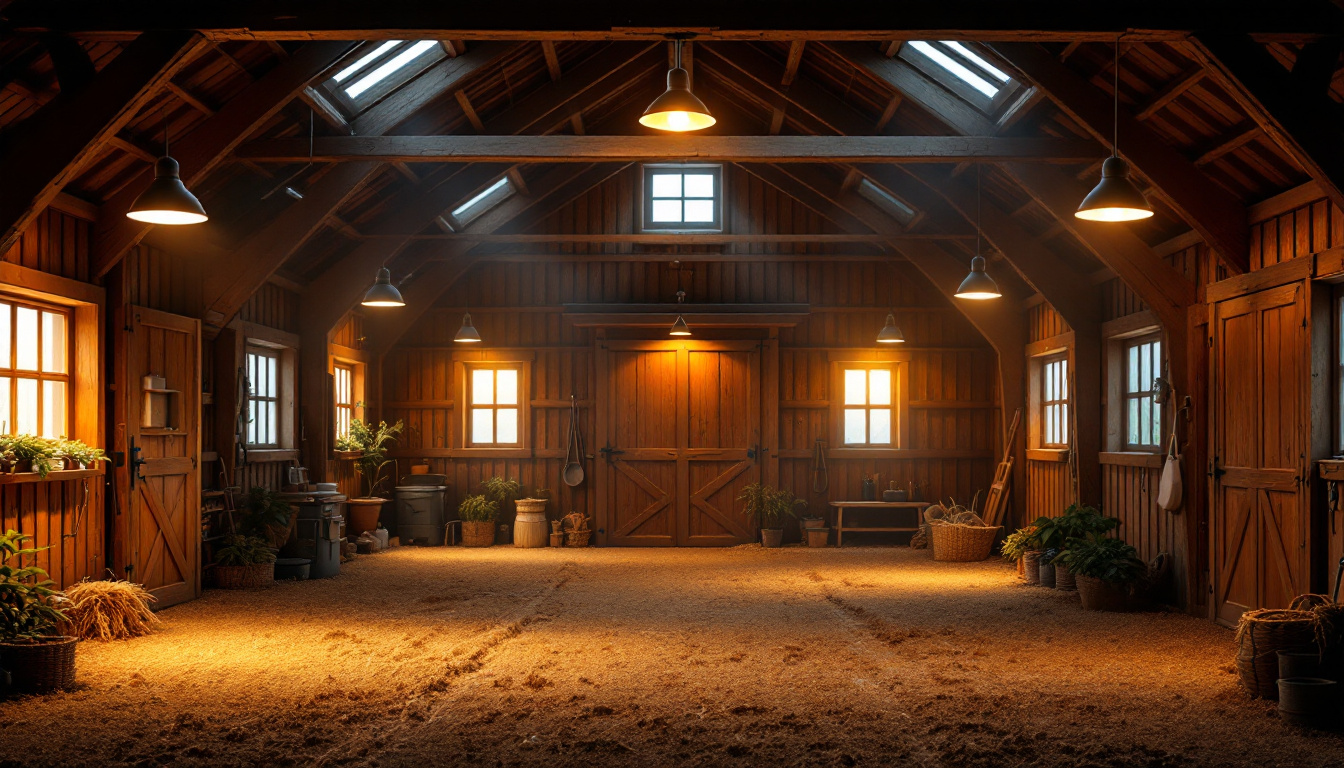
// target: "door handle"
[[135, 464], [609, 451]]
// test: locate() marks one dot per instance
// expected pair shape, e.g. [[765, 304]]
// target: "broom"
[[109, 610]]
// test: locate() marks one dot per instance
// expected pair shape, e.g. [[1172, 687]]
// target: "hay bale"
[[966, 518], [109, 610]]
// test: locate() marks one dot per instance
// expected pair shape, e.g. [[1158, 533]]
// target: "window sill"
[[1056, 455], [1132, 459], [1331, 469], [52, 477], [271, 454]]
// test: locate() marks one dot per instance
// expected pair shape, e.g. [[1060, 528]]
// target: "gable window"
[[34, 369], [494, 394], [868, 414], [683, 198], [482, 201], [344, 391], [1054, 400], [966, 69], [263, 401], [381, 68], [892, 205], [1142, 413]]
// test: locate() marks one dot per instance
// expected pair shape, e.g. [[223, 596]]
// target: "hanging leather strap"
[[821, 476]]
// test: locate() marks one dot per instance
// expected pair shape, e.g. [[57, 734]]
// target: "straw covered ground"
[[504, 657]]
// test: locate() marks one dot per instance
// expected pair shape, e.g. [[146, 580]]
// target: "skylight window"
[[385, 71], [483, 201], [963, 68], [679, 198], [366, 60], [379, 70], [892, 205]]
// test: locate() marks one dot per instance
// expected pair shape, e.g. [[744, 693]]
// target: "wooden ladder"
[[997, 500]]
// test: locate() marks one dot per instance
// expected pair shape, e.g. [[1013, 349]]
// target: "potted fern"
[[1015, 546], [244, 562], [371, 466], [34, 655], [269, 516], [1078, 522], [1106, 570], [79, 455], [478, 520], [769, 506]]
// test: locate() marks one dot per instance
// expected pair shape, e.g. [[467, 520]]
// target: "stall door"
[[1261, 423], [161, 529], [681, 424]]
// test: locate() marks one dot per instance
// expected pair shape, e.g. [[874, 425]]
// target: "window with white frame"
[[344, 391], [868, 412], [1142, 413], [378, 68], [494, 394], [964, 68], [263, 402], [34, 369], [683, 198], [1054, 414]]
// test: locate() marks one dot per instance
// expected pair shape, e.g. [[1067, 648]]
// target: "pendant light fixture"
[[678, 109], [679, 327], [890, 333], [978, 285], [1115, 198], [166, 200], [467, 334], [383, 293]]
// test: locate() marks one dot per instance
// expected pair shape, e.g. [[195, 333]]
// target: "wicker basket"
[[1260, 636], [1100, 595], [577, 538], [253, 576], [962, 543], [39, 667], [478, 533], [1064, 579]]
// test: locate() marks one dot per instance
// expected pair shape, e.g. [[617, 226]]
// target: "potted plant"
[[1079, 521], [769, 506], [268, 516], [370, 466], [478, 520], [79, 455], [1015, 545], [1106, 568], [29, 453], [244, 562], [34, 656], [501, 491]]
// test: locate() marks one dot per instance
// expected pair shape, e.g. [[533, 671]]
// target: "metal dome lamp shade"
[[383, 293], [978, 285], [467, 334], [677, 110], [679, 327], [890, 333], [167, 200], [1115, 198]]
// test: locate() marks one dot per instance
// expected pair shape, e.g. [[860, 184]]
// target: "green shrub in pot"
[[29, 608], [500, 490], [244, 550], [79, 454], [1079, 521], [1102, 557], [1017, 543], [268, 515], [37, 452], [477, 509], [373, 442]]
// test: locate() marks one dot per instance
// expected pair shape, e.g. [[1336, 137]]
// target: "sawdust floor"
[[861, 656]]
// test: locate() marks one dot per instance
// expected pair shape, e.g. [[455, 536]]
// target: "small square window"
[[1142, 413], [494, 417], [263, 401], [1054, 413], [34, 369], [683, 198], [868, 419]]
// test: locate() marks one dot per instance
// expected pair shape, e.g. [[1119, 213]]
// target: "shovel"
[[573, 473]]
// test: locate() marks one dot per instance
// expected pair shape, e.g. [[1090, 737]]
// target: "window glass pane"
[[54, 344], [1063, 424], [272, 427], [978, 61], [482, 386], [386, 69], [25, 419], [1051, 427], [1133, 370], [667, 210], [956, 68], [879, 389], [507, 384], [855, 389], [6, 418], [880, 418], [699, 210], [53, 409], [482, 425], [366, 59], [5, 311], [506, 425], [1063, 383], [1132, 435], [1145, 370], [26, 338], [854, 426], [252, 422], [699, 185], [667, 185]]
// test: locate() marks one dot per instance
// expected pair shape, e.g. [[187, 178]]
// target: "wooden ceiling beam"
[[792, 63], [826, 238], [1300, 118], [1218, 215], [199, 151], [586, 149], [1169, 93], [47, 151], [1140, 20]]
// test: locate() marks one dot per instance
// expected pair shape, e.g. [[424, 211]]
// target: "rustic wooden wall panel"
[[66, 516], [274, 307], [1129, 494], [1307, 229], [1049, 489], [1043, 322], [57, 243]]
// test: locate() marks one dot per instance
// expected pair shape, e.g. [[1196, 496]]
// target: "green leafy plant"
[[769, 505], [1078, 521], [500, 490], [373, 442], [477, 509], [268, 513], [40, 451], [29, 607], [80, 453], [243, 550], [1017, 543], [1102, 557]]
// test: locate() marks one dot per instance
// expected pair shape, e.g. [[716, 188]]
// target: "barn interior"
[[1012, 260]]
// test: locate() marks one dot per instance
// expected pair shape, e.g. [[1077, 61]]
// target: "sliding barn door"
[[160, 525], [1261, 432], [680, 424]]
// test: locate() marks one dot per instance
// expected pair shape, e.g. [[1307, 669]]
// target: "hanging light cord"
[[678, 54], [1115, 113], [979, 198]]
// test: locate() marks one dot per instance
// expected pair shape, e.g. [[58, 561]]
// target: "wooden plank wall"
[[1300, 231], [518, 306], [1049, 481], [350, 333]]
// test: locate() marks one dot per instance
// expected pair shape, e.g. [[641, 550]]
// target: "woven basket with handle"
[[1261, 635], [962, 543], [39, 667]]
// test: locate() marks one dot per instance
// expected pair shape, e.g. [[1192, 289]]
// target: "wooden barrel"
[[531, 530]]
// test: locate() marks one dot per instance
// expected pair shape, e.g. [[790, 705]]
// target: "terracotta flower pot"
[[772, 537], [363, 516]]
